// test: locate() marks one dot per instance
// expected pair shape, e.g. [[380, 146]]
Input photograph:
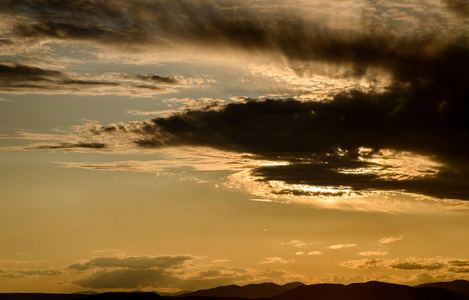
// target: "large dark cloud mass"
[[424, 110], [322, 138]]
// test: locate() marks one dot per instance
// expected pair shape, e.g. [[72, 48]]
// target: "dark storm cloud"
[[286, 128], [105, 22], [416, 59], [447, 184], [295, 131], [137, 262], [29, 79], [182, 23], [128, 25]]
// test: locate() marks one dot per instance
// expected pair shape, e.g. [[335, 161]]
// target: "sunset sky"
[[168, 145]]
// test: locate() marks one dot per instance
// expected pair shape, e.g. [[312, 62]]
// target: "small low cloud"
[[391, 239], [217, 261], [311, 253], [362, 263], [296, 243], [340, 246], [373, 253], [221, 272], [277, 260]]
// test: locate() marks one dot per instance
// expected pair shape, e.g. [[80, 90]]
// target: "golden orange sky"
[[178, 145]]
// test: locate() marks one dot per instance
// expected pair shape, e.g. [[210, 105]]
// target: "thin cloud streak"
[[391, 239], [23, 79]]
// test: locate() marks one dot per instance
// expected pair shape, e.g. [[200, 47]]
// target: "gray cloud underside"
[[141, 262], [417, 266], [159, 271], [23, 79], [408, 265], [127, 278]]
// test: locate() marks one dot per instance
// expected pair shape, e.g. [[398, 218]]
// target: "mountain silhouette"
[[124, 296], [251, 291], [459, 286], [372, 290], [40, 296]]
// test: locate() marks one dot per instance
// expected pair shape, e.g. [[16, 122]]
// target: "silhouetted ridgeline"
[[459, 286], [251, 291], [373, 290], [368, 291]]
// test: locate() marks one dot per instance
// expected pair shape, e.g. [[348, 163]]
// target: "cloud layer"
[[28, 79], [337, 142]]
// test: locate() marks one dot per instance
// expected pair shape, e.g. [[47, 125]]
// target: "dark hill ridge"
[[40, 296], [372, 290], [125, 296], [251, 291], [459, 286]]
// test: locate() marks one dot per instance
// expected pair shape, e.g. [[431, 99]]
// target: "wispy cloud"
[[373, 253], [296, 243], [22, 273], [340, 246], [23, 79], [311, 253], [391, 239], [276, 260], [409, 264]]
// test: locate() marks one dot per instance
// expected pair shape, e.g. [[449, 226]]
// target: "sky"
[[170, 145]]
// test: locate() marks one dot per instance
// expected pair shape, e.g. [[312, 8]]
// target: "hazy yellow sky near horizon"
[[178, 145]]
